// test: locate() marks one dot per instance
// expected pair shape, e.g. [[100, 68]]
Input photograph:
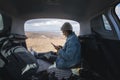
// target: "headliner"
[[55, 8]]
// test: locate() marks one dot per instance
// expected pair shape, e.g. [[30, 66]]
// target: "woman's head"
[[66, 29], [66, 26]]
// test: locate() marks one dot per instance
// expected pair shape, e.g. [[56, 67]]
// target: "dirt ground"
[[41, 42]]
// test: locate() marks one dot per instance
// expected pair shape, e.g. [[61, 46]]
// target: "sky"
[[47, 24]]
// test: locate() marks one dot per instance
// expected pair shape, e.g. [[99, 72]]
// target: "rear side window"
[[1, 22], [117, 10], [106, 23], [102, 26]]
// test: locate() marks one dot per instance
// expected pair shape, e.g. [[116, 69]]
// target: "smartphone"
[[53, 44]]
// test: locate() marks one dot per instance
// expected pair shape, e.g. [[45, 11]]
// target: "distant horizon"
[[51, 32]]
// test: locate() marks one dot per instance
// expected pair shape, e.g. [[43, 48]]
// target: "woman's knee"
[[59, 66]]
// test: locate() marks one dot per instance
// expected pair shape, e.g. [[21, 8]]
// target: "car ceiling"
[[79, 9]]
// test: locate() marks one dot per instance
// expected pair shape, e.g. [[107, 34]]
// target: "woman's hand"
[[58, 47]]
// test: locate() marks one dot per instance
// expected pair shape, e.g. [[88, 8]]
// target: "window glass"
[[106, 23], [117, 10], [1, 22], [42, 32]]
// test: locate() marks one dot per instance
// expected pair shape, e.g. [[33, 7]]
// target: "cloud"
[[39, 22], [48, 24]]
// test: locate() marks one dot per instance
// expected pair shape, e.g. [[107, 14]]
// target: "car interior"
[[99, 30]]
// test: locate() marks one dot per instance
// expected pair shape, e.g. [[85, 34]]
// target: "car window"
[[106, 23], [42, 32], [1, 22], [117, 10]]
